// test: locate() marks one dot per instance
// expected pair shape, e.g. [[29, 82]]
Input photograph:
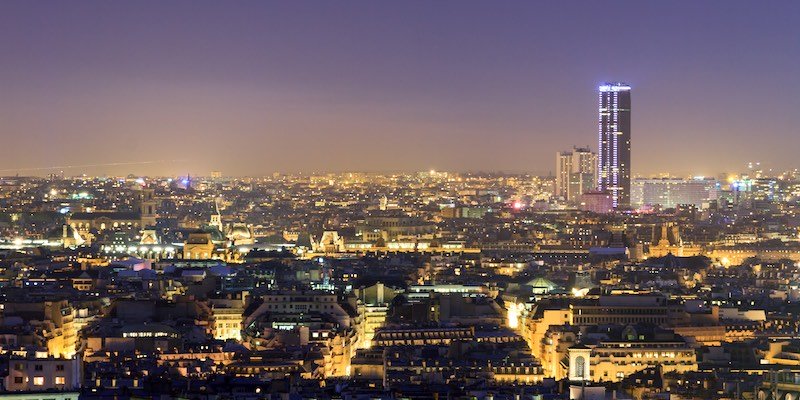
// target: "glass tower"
[[614, 142]]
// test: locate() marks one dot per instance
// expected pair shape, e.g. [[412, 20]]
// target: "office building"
[[614, 142], [575, 173], [671, 192]]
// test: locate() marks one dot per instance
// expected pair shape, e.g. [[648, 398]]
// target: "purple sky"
[[254, 87]]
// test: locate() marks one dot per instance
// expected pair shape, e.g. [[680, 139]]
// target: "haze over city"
[[166, 88]]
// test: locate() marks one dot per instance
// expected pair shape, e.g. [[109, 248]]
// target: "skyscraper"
[[575, 173], [614, 142], [563, 170]]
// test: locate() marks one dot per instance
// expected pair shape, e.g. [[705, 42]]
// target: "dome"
[[541, 285], [240, 234], [541, 282], [239, 231]]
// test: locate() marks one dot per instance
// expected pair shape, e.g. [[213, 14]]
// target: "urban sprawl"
[[590, 283]]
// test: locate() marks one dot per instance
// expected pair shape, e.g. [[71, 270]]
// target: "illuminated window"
[[580, 365], [60, 380], [38, 381]]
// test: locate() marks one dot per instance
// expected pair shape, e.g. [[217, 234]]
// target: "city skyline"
[[357, 199], [305, 87]]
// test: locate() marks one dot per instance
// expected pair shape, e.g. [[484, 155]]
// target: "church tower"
[[384, 205], [147, 207], [216, 217], [579, 363]]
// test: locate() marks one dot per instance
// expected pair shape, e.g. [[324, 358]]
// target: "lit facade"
[[54, 322], [575, 173], [612, 361], [622, 309], [227, 318], [41, 372], [614, 142], [671, 192]]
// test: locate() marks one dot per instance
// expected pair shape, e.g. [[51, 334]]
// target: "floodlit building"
[[53, 323], [226, 318], [614, 142], [620, 352]]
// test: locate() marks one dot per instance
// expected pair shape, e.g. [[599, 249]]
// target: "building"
[[226, 317], [391, 226], [666, 239], [110, 336], [622, 309], [53, 322], [373, 308], [623, 351], [779, 385], [597, 202], [40, 372], [301, 302], [312, 319], [671, 192], [614, 142], [575, 173], [412, 336], [198, 246], [145, 216]]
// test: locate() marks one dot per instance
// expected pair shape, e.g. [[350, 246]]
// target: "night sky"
[[250, 88]]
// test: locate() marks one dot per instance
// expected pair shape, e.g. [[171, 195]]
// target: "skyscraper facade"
[[575, 173], [614, 142], [563, 171]]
